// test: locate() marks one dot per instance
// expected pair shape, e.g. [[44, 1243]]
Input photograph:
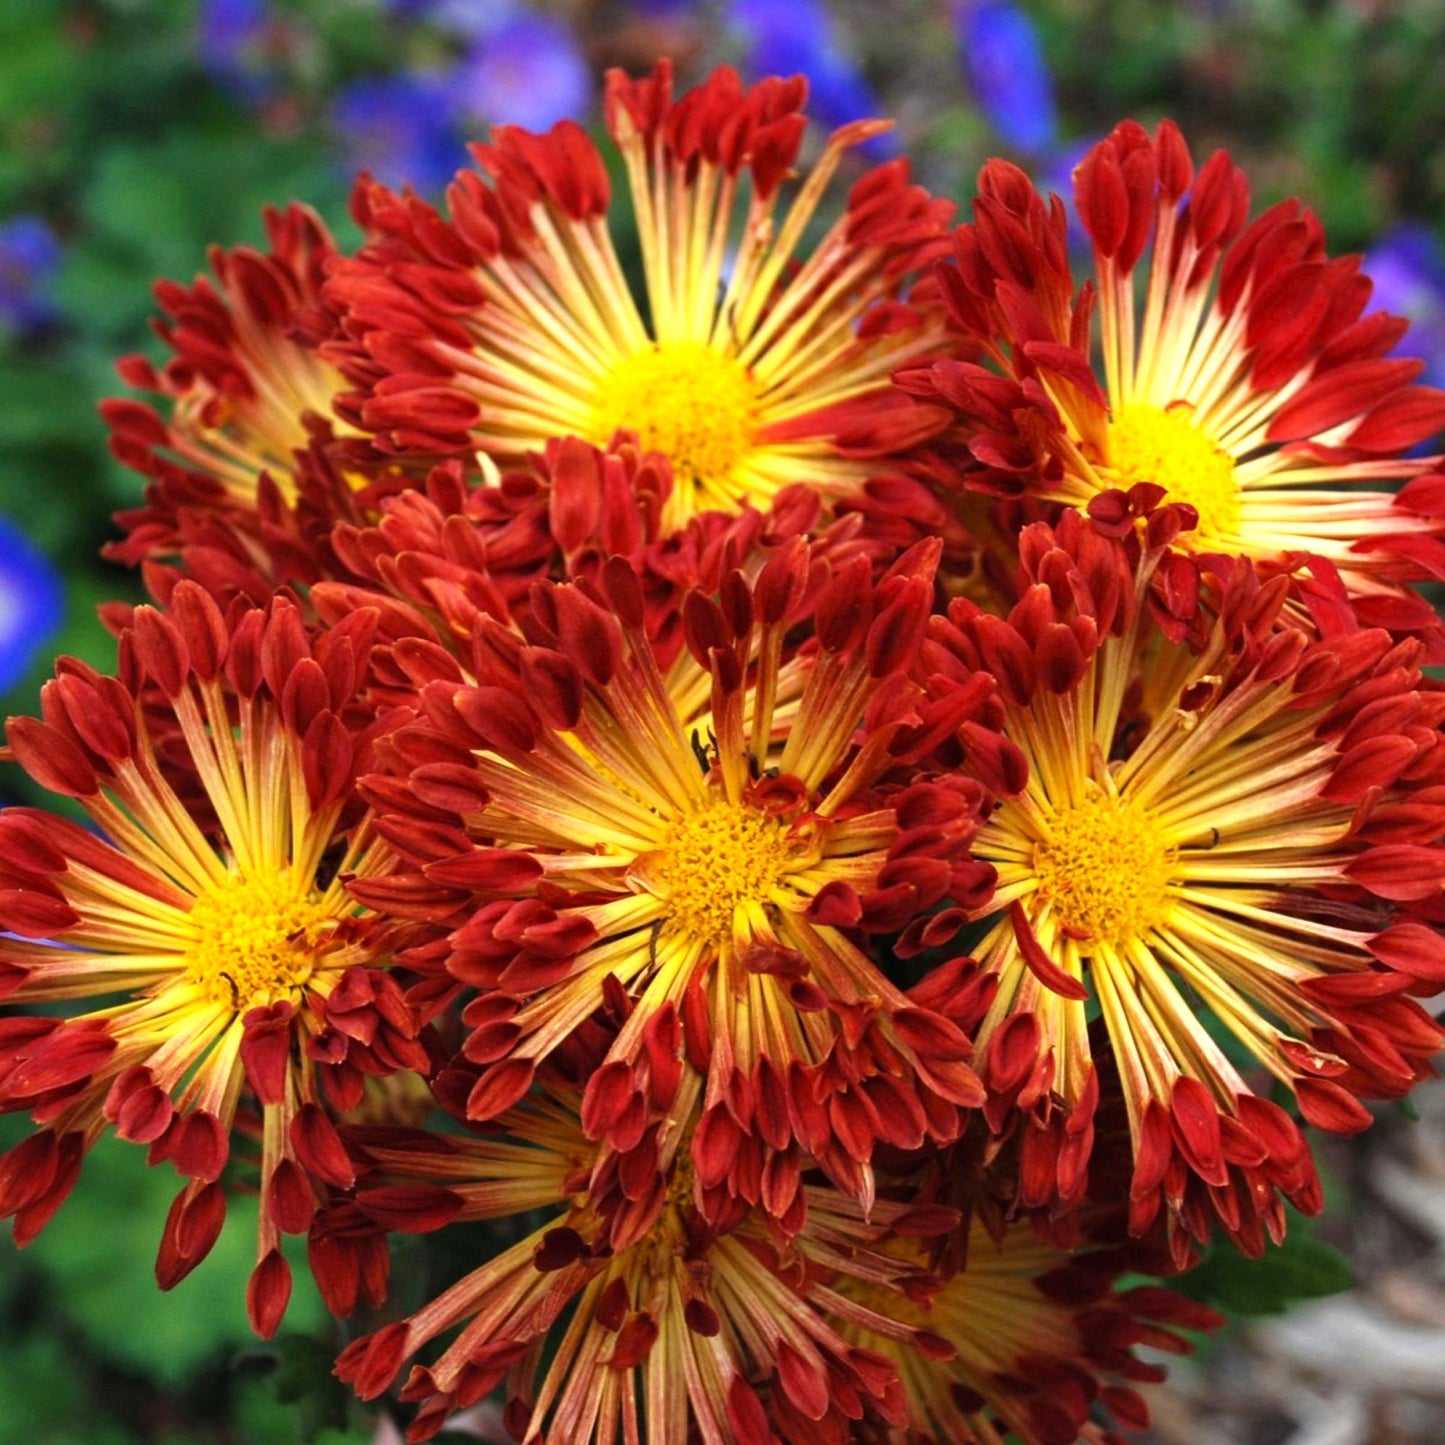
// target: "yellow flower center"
[[236, 437], [1104, 870], [718, 859], [690, 402], [254, 939], [1149, 444]]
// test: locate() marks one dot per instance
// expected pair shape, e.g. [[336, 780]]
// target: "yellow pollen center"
[[1151, 444], [233, 437], [680, 1186], [1105, 871], [719, 858], [689, 402], [254, 939]]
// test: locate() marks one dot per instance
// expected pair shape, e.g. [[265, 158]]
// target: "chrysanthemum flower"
[[685, 847], [247, 391], [1243, 376], [638, 1310], [1238, 831], [237, 983], [443, 555], [455, 552], [1028, 1342], [512, 323]]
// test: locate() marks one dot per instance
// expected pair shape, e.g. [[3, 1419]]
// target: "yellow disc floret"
[[1152, 444], [718, 858], [236, 437], [695, 405], [1104, 870], [254, 938]]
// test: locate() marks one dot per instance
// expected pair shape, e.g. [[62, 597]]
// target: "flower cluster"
[[847, 828]]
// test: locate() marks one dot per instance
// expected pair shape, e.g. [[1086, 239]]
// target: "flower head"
[[1238, 830], [1407, 266], [400, 128], [244, 46], [29, 257], [1024, 1341], [248, 395], [237, 985], [474, 551], [451, 553], [645, 1301], [703, 848], [528, 71], [32, 603], [1007, 72], [511, 322], [1244, 379]]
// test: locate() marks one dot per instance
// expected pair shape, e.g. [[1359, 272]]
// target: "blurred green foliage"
[[1301, 1268], [92, 1353]]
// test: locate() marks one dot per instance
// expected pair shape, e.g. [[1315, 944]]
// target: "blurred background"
[[134, 133]]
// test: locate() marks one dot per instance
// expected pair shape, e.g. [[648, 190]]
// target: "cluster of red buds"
[[857, 790]]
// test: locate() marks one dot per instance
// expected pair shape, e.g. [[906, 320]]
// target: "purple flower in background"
[[240, 43], [528, 71], [1004, 61], [29, 258], [32, 603], [787, 36], [470, 19], [1408, 269], [399, 128]]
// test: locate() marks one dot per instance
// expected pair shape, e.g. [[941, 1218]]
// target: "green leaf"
[[1302, 1268], [39, 1401], [98, 1253], [297, 1369]]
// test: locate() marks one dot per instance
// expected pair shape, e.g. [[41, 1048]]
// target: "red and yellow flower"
[[1025, 1341], [248, 424], [657, 1314], [1243, 377], [240, 987], [550, 716], [453, 553], [1237, 831], [511, 322], [704, 849]]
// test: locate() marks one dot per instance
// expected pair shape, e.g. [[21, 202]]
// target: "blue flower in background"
[[471, 19], [237, 40], [29, 258], [1004, 61], [664, 8], [529, 71], [1408, 269], [399, 127], [32, 603], [787, 36]]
